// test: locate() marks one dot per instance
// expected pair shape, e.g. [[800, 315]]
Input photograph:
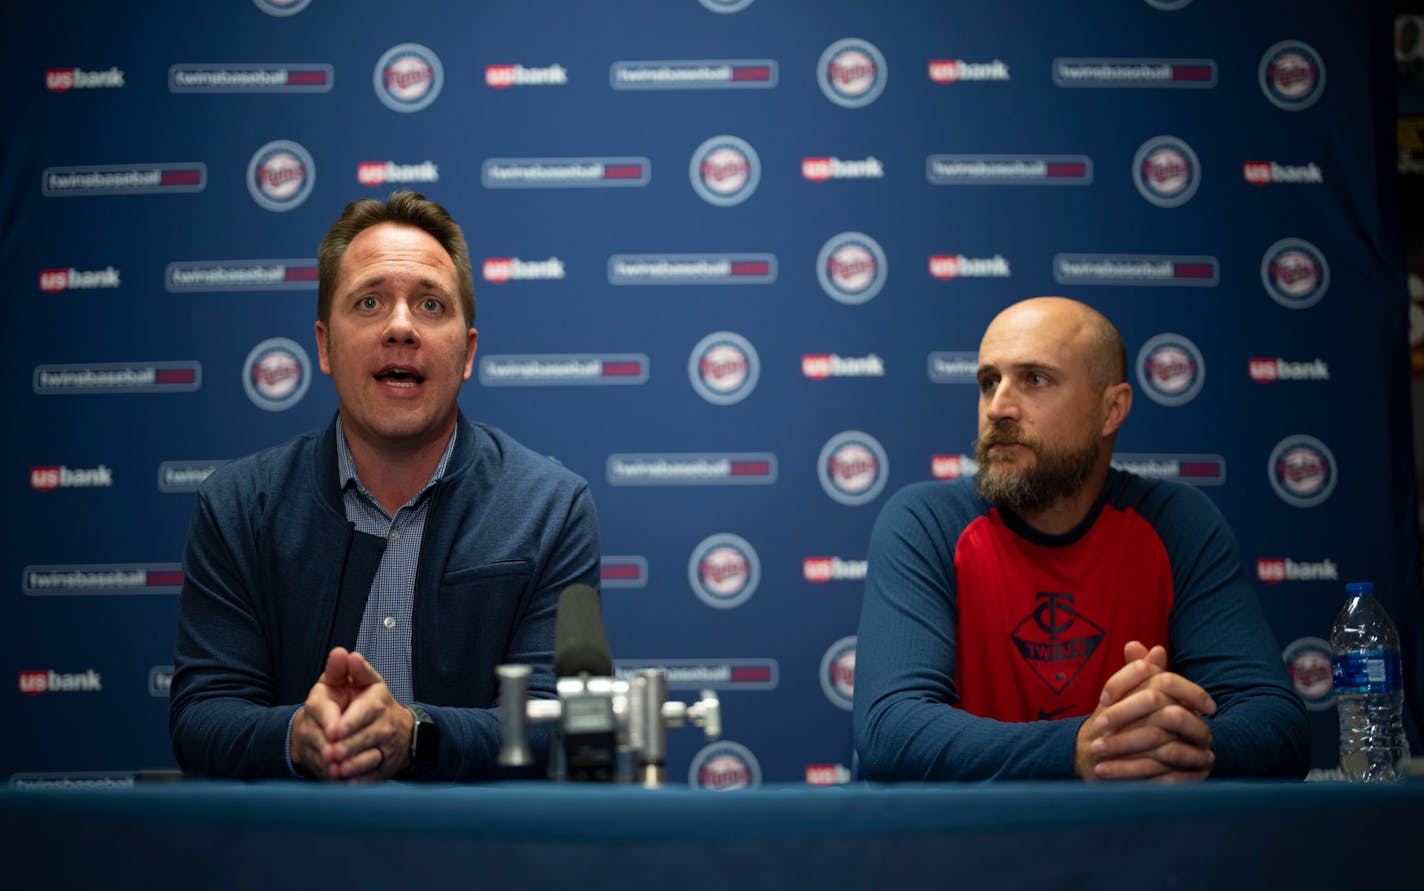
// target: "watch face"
[[424, 740]]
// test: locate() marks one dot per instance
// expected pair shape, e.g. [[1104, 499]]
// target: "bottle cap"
[[1359, 589]]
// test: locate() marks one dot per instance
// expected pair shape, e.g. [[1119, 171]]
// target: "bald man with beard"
[[1056, 617]]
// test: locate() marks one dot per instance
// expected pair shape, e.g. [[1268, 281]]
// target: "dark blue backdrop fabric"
[[733, 259]]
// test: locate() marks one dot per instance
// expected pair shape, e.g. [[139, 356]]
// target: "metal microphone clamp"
[[636, 711]]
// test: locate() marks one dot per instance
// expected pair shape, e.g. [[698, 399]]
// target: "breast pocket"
[[475, 613]]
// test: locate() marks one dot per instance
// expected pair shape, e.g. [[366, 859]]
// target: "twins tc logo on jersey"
[[280, 175], [1170, 369], [724, 368], [1302, 471], [1166, 171], [724, 766], [851, 72], [838, 672], [725, 170], [851, 267], [1308, 662], [853, 467], [276, 374], [1292, 75], [724, 571], [1295, 273], [408, 77], [1055, 640]]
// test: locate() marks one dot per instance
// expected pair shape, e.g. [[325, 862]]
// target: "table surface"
[[538, 834]]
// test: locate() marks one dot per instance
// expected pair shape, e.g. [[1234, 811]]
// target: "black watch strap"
[[424, 740]]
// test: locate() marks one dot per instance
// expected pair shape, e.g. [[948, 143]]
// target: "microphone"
[[608, 730], [584, 669], [580, 644]]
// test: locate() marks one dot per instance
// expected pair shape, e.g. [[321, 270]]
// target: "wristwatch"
[[424, 740]]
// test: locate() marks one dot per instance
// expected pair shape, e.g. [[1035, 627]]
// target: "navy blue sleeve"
[[469, 737], [224, 716], [905, 723], [1221, 641]]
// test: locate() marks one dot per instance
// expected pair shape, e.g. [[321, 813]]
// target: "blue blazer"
[[275, 576]]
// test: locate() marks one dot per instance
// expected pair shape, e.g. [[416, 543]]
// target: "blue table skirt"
[[533, 835]]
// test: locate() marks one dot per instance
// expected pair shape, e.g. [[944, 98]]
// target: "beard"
[[1056, 472]]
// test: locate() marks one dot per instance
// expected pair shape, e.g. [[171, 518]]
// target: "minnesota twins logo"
[[724, 766], [724, 571], [1308, 664], [1170, 369], [724, 368], [853, 467], [851, 267], [1292, 75], [726, 7], [1166, 171], [851, 72], [838, 672], [281, 8], [408, 77], [1055, 640], [725, 170], [1295, 273], [280, 175], [1302, 470], [276, 374]]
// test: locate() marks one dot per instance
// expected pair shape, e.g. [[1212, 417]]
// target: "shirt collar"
[[346, 465]]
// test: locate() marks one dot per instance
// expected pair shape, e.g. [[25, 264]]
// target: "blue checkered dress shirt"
[[384, 638]]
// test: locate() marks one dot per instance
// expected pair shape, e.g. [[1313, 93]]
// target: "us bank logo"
[[851, 267], [853, 467], [1292, 75], [276, 374], [724, 571], [1295, 273], [725, 171], [408, 78], [280, 175], [1170, 369], [851, 72], [724, 368], [1166, 171], [1302, 470]]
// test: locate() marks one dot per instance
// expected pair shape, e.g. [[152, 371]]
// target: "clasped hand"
[[350, 727], [1148, 724]]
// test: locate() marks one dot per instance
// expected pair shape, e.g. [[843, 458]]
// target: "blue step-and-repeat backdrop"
[[733, 259]]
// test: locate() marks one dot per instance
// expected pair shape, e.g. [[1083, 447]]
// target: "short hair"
[[406, 208], [1107, 354]]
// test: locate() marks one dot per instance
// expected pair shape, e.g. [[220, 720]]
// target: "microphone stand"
[[600, 715]]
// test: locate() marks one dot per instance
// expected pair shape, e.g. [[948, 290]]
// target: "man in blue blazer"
[[348, 594]]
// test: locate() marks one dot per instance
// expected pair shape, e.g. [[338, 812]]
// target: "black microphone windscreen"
[[580, 643]]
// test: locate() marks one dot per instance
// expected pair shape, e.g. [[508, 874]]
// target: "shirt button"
[[395, 535], [390, 623]]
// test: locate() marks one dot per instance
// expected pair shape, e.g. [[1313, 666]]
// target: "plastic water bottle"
[[1369, 688]]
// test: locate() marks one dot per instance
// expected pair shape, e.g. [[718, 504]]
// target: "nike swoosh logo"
[[1045, 715]]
